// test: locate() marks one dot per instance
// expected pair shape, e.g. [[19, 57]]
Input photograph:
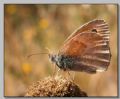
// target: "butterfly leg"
[[71, 77], [54, 71], [67, 75], [58, 71]]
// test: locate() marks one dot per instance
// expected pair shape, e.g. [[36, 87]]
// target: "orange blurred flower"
[[11, 9], [43, 23], [26, 68]]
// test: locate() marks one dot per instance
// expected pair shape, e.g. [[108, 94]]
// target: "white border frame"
[[42, 2]]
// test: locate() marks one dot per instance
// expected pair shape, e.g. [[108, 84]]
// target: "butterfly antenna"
[[39, 53], [35, 54]]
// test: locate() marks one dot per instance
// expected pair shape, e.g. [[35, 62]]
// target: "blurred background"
[[31, 28]]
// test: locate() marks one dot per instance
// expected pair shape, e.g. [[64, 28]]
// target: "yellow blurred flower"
[[43, 23], [11, 9], [26, 68]]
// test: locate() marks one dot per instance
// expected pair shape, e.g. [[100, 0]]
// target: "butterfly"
[[86, 49]]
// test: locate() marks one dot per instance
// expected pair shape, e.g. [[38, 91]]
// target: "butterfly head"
[[58, 60], [52, 57]]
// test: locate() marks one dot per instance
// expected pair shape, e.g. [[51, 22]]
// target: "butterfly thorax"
[[63, 62]]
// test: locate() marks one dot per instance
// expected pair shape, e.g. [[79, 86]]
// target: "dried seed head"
[[55, 87]]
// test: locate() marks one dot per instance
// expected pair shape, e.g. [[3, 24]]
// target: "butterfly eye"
[[94, 30]]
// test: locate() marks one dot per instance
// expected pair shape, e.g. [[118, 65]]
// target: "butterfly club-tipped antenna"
[[28, 56]]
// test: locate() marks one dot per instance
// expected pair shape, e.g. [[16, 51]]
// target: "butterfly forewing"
[[89, 46], [99, 25]]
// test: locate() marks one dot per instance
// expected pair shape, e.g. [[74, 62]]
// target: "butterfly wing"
[[99, 25], [90, 49]]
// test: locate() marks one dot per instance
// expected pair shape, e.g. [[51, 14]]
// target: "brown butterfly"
[[87, 49]]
